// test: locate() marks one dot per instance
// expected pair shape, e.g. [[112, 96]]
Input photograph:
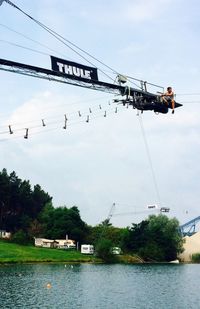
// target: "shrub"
[[196, 258], [104, 250], [21, 238]]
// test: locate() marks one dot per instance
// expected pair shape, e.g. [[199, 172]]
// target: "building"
[[66, 244], [45, 243], [57, 243], [4, 234]]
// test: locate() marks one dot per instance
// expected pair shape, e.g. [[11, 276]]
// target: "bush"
[[104, 250], [20, 238], [196, 258], [152, 252], [156, 239]]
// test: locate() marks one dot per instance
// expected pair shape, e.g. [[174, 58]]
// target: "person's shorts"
[[167, 99]]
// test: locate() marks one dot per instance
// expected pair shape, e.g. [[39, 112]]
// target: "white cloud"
[[145, 10], [122, 13]]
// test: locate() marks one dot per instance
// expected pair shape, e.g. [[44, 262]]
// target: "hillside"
[[13, 253]]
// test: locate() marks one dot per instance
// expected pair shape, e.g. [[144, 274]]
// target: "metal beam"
[[191, 225], [29, 70]]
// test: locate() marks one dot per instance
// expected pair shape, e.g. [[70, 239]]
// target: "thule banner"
[[73, 69]]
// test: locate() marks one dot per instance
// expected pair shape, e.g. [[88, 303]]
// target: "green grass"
[[13, 253], [129, 259]]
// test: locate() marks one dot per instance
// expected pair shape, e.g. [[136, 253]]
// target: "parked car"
[[116, 250]]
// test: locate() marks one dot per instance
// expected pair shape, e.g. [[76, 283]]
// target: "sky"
[[124, 158]]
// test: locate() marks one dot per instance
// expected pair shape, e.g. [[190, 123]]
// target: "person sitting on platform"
[[168, 97]]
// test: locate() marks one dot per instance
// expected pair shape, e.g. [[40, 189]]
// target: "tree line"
[[28, 212]]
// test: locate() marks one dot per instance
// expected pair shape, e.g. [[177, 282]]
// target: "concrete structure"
[[191, 246]]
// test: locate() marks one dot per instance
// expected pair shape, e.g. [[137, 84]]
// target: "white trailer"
[[87, 249]]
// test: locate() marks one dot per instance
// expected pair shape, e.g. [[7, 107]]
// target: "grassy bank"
[[130, 259], [13, 253]]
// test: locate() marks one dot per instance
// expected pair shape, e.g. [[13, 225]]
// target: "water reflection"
[[99, 286]]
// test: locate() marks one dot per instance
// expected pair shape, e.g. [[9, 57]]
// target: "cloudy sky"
[[130, 160]]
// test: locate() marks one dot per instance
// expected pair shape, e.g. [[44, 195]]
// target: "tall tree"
[[19, 204], [62, 221], [155, 239]]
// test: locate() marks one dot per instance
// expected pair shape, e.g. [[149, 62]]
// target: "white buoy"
[[49, 286]]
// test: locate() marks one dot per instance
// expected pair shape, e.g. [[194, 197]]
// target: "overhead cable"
[[24, 47], [149, 159], [64, 40], [61, 39], [32, 40]]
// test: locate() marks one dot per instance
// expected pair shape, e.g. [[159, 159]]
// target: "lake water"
[[100, 286]]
